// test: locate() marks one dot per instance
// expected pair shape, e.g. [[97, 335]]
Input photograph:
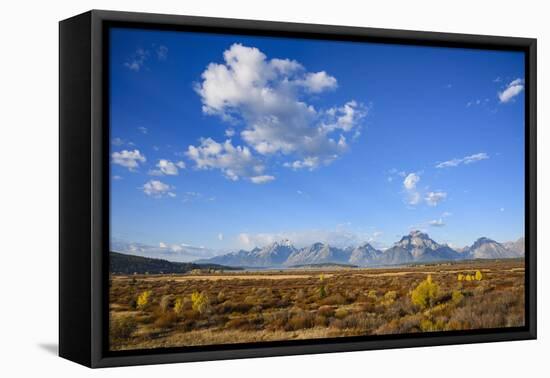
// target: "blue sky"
[[235, 141]]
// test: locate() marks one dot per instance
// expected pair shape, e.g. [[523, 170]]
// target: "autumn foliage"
[[425, 294]]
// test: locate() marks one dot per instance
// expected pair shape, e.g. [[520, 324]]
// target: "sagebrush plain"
[[216, 307]]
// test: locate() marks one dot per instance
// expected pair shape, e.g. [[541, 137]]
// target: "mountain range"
[[414, 247]]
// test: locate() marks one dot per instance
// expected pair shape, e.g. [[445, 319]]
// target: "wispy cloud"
[[437, 223], [434, 198], [162, 52], [465, 160], [394, 174], [440, 222], [338, 237], [192, 196], [477, 102], [163, 250], [262, 179], [136, 62], [117, 142]]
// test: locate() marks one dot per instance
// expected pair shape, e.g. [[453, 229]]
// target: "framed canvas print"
[[234, 188]]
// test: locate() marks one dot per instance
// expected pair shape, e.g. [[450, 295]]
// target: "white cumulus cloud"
[[344, 118], [318, 82], [234, 161], [513, 89], [309, 162], [128, 159], [167, 167], [268, 97], [412, 196], [410, 181], [158, 189]]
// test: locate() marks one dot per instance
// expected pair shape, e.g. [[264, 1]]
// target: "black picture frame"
[[84, 187]]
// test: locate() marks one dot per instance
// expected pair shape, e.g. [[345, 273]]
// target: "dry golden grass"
[[188, 310]]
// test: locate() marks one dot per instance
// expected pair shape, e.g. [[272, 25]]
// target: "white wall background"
[[29, 186]]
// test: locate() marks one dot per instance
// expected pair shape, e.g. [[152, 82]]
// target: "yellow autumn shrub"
[[199, 302], [143, 299], [425, 294], [178, 306]]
